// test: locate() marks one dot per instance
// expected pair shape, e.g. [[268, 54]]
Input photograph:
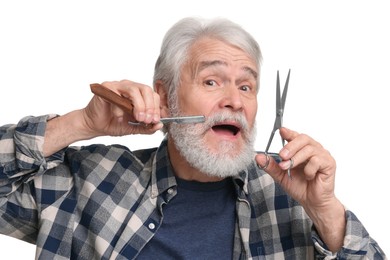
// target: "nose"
[[232, 99]]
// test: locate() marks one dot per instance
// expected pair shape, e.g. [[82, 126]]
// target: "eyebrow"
[[214, 63]]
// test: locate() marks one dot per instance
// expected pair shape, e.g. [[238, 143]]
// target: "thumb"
[[270, 164]]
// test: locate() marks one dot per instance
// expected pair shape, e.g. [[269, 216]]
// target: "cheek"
[[251, 112], [195, 103]]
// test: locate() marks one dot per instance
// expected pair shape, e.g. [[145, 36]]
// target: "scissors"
[[280, 103]]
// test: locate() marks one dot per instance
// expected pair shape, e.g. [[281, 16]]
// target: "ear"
[[161, 90]]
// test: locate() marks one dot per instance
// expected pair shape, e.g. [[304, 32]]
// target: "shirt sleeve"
[[357, 243], [21, 153], [21, 164]]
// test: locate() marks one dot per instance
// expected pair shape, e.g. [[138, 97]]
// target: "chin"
[[226, 161]]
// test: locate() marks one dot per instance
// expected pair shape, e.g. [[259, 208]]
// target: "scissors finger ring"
[[291, 163], [266, 163], [289, 168]]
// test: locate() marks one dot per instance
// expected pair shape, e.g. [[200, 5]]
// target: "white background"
[[338, 52]]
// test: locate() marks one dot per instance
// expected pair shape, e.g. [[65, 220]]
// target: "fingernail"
[[264, 161], [149, 117], [141, 116], [285, 165], [156, 118]]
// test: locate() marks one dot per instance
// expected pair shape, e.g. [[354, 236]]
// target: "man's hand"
[[101, 118], [312, 183], [104, 118]]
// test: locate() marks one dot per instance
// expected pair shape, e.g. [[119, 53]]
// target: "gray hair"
[[183, 34]]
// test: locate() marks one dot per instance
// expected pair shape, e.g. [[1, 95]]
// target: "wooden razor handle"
[[112, 97]]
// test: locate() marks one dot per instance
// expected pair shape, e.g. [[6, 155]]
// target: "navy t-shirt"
[[198, 223]]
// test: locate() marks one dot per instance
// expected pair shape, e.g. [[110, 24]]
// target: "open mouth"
[[226, 129]]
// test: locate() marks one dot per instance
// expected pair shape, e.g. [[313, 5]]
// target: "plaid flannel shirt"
[[106, 202]]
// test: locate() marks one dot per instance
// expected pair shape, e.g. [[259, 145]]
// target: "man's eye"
[[210, 82], [245, 88]]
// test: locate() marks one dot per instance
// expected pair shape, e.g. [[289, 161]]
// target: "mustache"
[[238, 118]]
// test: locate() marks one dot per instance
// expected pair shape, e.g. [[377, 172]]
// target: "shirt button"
[[170, 191], [152, 226]]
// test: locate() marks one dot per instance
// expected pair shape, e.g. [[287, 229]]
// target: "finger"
[[323, 163], [309, 156], [156, 107], [298, 157], [263, 161], [139, 95], [268, 163], [297, 143], [312, 167], [149, 99], [288, 134]]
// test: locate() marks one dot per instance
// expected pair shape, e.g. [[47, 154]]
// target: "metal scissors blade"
[[280, 104], [177, 120]]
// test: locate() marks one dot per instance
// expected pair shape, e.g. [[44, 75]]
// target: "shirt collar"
[[163, 177], [241, 181]]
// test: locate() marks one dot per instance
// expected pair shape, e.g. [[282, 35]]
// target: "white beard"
[[228, 159]]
